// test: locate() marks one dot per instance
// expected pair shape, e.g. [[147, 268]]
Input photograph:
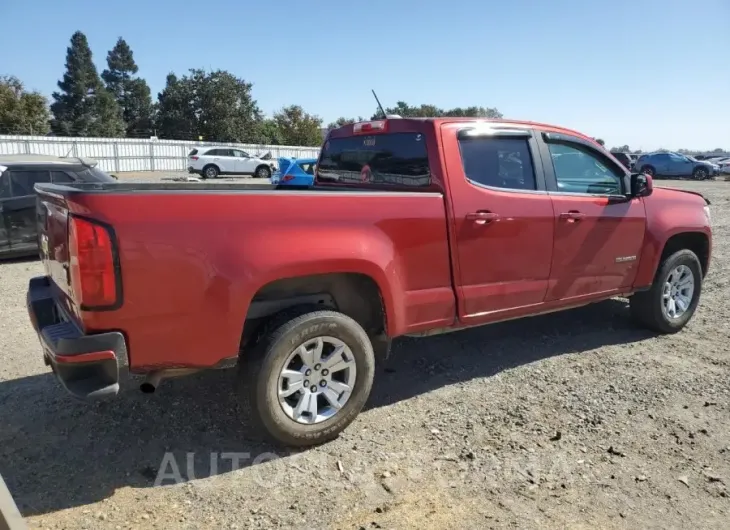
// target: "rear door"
[[661, 164], [597, 239], [502, 219], [19, 210], [222, 158]]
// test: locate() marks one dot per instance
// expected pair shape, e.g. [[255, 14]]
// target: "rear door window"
[[498, 162], [23, 181], [399, 159], [307, 167]]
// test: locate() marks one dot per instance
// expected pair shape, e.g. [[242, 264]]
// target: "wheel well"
[[263, 165], [697, 242], [206, 166], [355, 295]]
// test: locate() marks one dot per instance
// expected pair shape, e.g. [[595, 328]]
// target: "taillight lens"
[[193, 158], [370, 127], [286, 178], [92, 265]]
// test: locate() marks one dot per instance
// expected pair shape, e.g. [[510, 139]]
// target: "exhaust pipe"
[[153, 379]]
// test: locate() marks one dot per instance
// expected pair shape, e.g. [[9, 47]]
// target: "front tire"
[[700, 173], [649, 170], [307, 377], [263, 172], [674, 295]]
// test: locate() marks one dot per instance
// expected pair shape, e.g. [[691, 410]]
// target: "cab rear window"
[[398, 159]]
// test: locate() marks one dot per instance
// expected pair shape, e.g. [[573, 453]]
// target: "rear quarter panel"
[[192, 262]]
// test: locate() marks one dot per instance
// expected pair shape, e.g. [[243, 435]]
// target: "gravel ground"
[[574, 419]]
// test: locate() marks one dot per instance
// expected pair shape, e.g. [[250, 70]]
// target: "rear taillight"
[[93, 268], [193, 158], [370, 127], [286, 178]]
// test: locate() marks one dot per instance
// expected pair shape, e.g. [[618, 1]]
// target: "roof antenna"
[[379, 105]]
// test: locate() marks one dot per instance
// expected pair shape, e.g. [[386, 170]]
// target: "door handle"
[[482, 218], [572, 216]]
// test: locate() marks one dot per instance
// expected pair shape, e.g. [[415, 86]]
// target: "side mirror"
[[641, 185]]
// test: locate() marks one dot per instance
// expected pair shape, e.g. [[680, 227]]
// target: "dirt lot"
[[575, 419]]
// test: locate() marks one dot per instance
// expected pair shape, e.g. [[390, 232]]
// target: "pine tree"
[[84, 107], [131, 93]]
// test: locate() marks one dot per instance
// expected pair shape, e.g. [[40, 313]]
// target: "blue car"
[[675, 165], [294, 172]]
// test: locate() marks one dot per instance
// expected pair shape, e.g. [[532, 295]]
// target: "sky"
[[646, 73]]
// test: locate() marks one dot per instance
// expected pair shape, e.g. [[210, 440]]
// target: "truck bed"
[[192, 257]]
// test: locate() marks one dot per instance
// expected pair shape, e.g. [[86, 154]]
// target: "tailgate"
[[52, 219]]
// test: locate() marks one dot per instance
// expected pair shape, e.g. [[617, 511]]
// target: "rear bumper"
[[88, 366]]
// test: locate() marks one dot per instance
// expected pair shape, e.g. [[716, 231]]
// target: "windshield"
[[396, 159]]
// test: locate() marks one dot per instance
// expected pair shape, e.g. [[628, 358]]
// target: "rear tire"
[[649, 170], [210, 172], [650, 308], [261, 376]]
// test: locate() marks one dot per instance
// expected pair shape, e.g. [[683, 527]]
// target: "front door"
[[243, 162], [598, 237], [502, 220], [19, 209], [680, 166]]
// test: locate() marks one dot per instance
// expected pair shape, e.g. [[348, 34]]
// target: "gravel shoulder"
[[575, 419]]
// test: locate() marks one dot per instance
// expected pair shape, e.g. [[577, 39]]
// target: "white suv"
[[209, 162]]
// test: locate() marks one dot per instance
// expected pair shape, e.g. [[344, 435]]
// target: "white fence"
[[128, 154]]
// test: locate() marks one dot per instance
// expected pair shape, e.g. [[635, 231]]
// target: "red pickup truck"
[[413, 227]]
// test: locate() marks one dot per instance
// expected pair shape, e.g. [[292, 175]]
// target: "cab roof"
[[346, 130]]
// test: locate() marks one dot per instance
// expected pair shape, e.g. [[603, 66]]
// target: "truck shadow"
[[58, 453]]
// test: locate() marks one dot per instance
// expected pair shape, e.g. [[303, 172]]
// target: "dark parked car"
[[18, 176], [624, 158]]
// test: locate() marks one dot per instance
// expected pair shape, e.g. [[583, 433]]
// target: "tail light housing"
[[193, 158], [370, 127], [287, 178], [93, 265]]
